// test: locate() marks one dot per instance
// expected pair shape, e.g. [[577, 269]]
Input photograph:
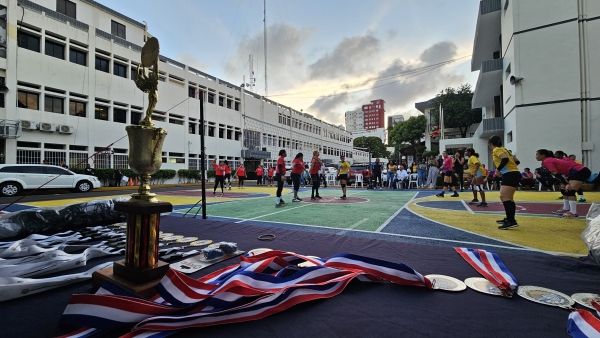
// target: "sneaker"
[[560, 198], [282, 201], [440, 194], [501, 221], [278, 205], [560, 211], [455, 194], [569, 215], [296, 200], [319, 197], [475, 201], [508, 225], [214, 194], [343, 197], [582, 200], [482, 204], [313, 198]]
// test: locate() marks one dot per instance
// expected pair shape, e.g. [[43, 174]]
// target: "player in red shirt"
[[447, 167], [241, 175], [227, 176], [315, 166], [270, 174], [297, 170], [219, 173], [280, 177], [259, 175]]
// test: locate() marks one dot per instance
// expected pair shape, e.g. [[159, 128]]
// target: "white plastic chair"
[[330, 178], [358, 178], [541, 185], [413, 180]]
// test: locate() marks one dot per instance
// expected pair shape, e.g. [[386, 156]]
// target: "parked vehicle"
[[358, 169], [15, 178]]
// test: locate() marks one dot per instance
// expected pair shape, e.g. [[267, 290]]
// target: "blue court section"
[[441, 204]]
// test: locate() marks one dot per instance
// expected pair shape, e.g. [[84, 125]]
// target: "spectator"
[[259, 175], [45, 162], [118, 176], [402, 177], [391, 174], [376, 177], [422, 172], [527, 179], [64, 164], [433, 173], [413, 167], [89, 171]]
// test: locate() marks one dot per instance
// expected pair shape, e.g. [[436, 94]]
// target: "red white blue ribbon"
[[258, 287], [583, 324], [491, 267]]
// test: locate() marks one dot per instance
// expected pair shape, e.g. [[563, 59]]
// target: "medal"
[[186, 239], [585, 299], [165, 234], [446, 283], [545, 296], [172, 238], [483, 285], [201, 242]]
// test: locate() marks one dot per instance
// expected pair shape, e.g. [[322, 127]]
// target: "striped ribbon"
[[258, 287], [583, 324], [491, 267]]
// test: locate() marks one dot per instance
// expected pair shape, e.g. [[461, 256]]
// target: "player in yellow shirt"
[[507, 170], [476, 177], [343, 174]]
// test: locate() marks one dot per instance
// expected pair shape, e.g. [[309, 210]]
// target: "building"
[[354, 120], [374, 114], [379, 132], [539, 79], [392, 120], [69, 66]]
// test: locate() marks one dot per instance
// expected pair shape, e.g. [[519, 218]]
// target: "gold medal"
[[545, 296], [165, 234], [186, 239], [483, 285], [585, 299], [201, 242], [172, 238], [446, 283]]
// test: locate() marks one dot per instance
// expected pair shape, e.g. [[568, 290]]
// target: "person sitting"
[[402, 177], [596, 183], [527, 179], [543, 176]]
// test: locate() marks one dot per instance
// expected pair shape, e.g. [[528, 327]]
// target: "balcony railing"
[[52, 14], [488, 6], [491, 65], [489, 127], [118, 40]]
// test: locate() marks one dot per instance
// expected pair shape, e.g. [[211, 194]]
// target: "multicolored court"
[[415, 216]]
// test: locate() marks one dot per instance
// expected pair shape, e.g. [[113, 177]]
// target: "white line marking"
[[352, 227], [273, 213], [395, 214], [467, 207], [425, 238]]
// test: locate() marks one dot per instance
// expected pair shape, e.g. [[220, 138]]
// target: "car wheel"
[[84, 186], [10, 189]]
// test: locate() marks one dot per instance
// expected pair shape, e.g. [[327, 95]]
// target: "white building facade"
[[355, 120], [69, 93], [551, 50]]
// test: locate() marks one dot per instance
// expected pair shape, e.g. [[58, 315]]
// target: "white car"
[[17, 177]]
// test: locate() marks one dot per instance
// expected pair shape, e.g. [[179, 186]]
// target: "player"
[[343, 174], [476, 177], [507, 170], [447, 165], [280, 177]]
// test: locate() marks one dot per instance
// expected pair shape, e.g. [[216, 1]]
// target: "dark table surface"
[[363, 309]]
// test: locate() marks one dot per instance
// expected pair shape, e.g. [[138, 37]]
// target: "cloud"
[[392, 33], [326, 107], [352, 56], [439, 52], [190, 60]]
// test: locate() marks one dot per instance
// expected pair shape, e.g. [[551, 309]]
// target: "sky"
[[324, 57]]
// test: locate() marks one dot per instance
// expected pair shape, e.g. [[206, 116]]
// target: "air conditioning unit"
[[47, 127], [64, 129], [28, 125]]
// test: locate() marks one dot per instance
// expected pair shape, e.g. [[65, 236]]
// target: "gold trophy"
[[141, 270]]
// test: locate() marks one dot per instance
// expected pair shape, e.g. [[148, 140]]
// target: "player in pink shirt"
[[577, 174], [448, 164]]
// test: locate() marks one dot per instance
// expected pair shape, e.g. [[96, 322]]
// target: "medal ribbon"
[[583, 324], [254, 289], [491, 267]]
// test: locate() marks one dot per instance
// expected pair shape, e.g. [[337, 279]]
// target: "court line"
[[516, 247], [395, 214], [352, 227], [467, 207]]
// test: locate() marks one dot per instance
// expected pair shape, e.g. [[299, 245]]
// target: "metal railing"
[[53, 14], [491, 65], [489, 127]]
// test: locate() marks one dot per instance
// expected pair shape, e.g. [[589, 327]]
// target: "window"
[[120, 70], [136, 117], [237, 106], [66, 7], [211, 98], [120, 115], [117, 29], [2, 84], [221, 101], [28, 41], [101, 113], [192, 92], [53, 104], [101, 64], [211, 131], [77, 108], [28, 100], [191, 128], [229, 103], [77, 57], [54, 49]]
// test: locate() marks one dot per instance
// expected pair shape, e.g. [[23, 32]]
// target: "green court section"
[[369, 215]]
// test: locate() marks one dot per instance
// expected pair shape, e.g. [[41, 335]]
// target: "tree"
[[410, 131], [456, 103], [377, 147]]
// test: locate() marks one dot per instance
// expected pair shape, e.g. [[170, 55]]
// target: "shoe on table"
[[501, 221], [455, 194], [508, 225], [582, 200], [440, 194], [560, 211], [569, 215], [474, 201], [482, 204]]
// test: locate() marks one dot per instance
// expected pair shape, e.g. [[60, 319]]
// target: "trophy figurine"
[[141, 270]]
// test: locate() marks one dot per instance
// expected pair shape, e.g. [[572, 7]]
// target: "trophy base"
[[142, 282], [143, 198]]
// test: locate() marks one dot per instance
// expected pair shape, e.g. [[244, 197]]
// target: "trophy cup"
[[141, 270]]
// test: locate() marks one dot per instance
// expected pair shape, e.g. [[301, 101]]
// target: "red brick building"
[[374, 114]]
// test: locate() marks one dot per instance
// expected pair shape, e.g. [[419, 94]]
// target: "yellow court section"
[[543, 232]]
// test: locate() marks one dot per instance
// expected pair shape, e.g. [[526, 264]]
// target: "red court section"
[[198, 193], [531, 208]]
